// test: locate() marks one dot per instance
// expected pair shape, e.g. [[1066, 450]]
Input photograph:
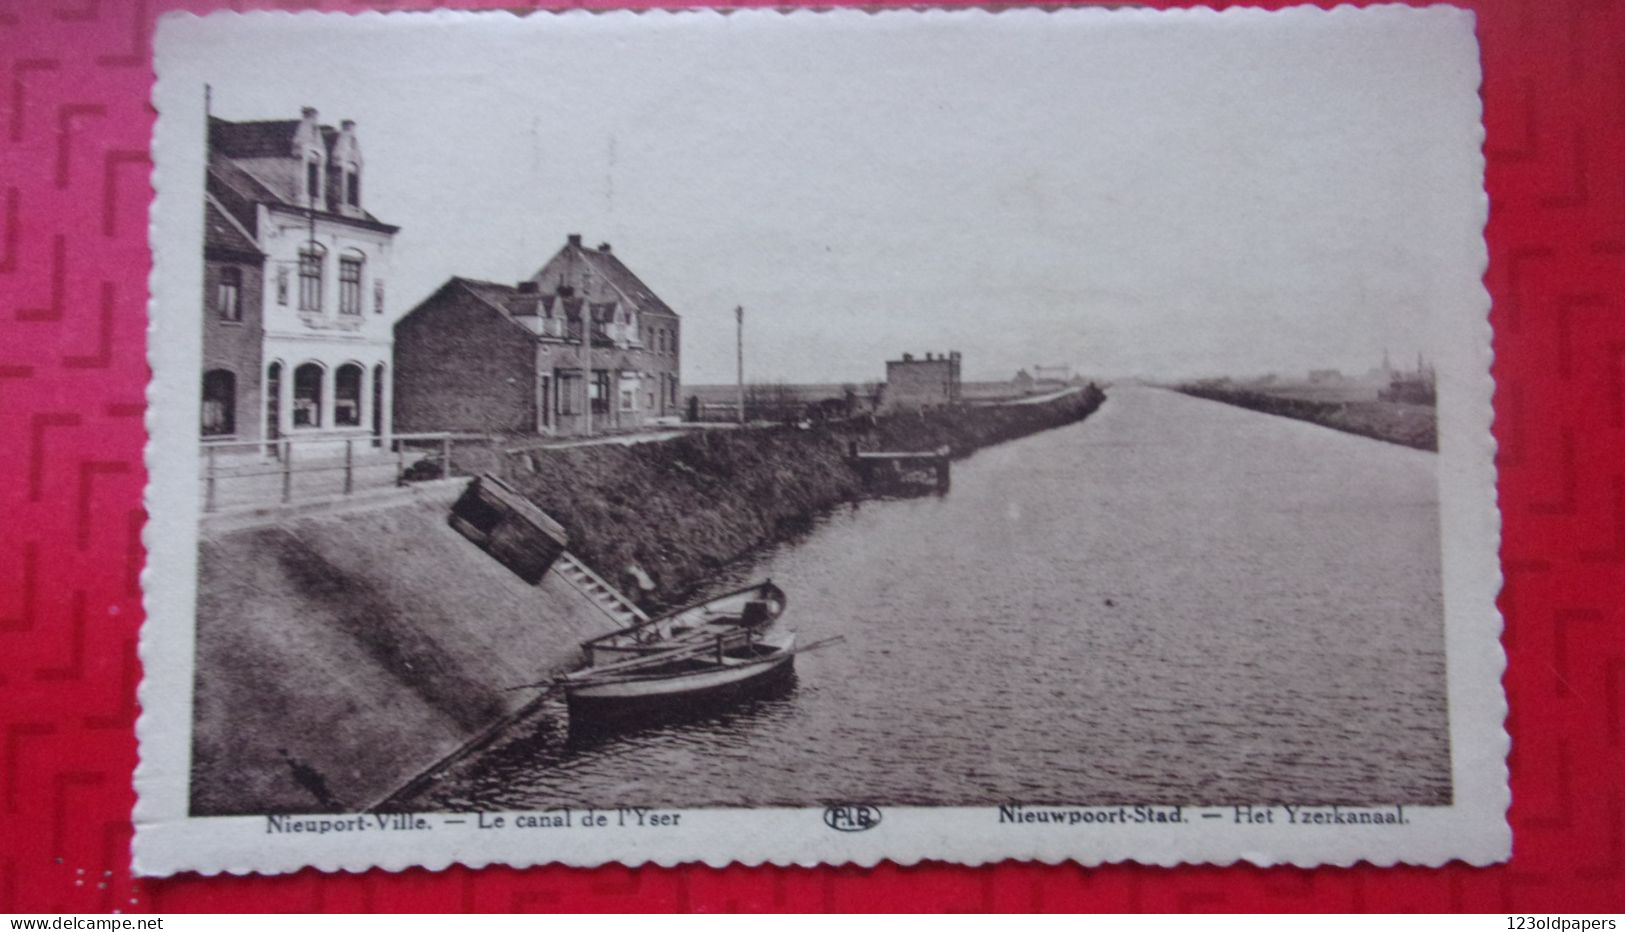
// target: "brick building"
[[913, 384], [233, 326], [296, 342], [489, 357]]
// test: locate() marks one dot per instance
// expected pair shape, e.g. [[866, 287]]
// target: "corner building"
[[297, 339]]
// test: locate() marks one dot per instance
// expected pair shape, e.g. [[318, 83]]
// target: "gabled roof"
[[607, 267], [498, 296], [252, 139], [260, 139], [222, 232]]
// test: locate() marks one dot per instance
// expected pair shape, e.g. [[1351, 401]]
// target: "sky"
[[1126, 193]]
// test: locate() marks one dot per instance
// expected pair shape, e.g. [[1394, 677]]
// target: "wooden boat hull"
[[688, 687]]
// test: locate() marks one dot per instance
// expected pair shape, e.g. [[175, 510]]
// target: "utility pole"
[[739, 348]]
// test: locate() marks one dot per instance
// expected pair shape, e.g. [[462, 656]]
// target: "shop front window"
[[307, 395], [347, 396]]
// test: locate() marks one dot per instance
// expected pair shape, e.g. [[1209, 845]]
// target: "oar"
[[818, 645], [554, 683]]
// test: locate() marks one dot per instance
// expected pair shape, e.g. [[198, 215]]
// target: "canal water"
[[1174, 601]]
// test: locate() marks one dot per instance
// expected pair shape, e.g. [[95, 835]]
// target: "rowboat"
[[733, 617], [681, 680]]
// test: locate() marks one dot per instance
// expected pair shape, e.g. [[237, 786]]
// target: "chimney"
[[574, 239], [927, 355], [908, 357], [528, 299], [603, 248], [347, 126]]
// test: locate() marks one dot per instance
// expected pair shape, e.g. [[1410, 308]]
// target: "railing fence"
[[260, 472]]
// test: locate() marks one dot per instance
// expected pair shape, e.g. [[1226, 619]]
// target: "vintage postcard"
[[820, 438]]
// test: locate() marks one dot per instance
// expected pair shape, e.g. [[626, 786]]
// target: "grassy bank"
[[1395, 422], [683, 509]]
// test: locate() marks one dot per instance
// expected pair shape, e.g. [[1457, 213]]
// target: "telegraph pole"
[[739, 352]]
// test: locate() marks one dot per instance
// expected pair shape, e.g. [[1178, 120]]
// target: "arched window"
[[350, 265], [311, 256], [228, 295], [307, 395], [219, 403], [347, 395]]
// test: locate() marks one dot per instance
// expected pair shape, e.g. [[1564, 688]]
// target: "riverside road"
[[1175, 601]]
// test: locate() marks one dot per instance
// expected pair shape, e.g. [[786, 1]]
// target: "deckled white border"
[[167, 840]]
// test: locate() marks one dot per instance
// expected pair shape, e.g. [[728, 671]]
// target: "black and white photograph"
[[820, 438]]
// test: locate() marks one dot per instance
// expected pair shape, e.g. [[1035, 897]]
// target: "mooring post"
[[349, 466], [445, 457]]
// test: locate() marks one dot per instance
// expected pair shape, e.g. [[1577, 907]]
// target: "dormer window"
[[313, 180], [352, 185]]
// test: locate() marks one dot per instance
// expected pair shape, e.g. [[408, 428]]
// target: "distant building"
[[483, 356], [913, 384], [1411, 387], [295, 340], [1324, 376]]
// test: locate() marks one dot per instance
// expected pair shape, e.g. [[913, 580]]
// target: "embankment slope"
[[1409, 425], [340, 655]]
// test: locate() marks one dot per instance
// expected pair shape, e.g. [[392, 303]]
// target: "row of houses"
[[300, 341]]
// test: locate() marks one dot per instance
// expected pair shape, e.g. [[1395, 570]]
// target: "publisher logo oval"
[[852, 818]]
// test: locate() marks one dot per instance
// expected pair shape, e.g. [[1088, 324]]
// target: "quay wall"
[[1410, 425], [340, 654], [682, 509]]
